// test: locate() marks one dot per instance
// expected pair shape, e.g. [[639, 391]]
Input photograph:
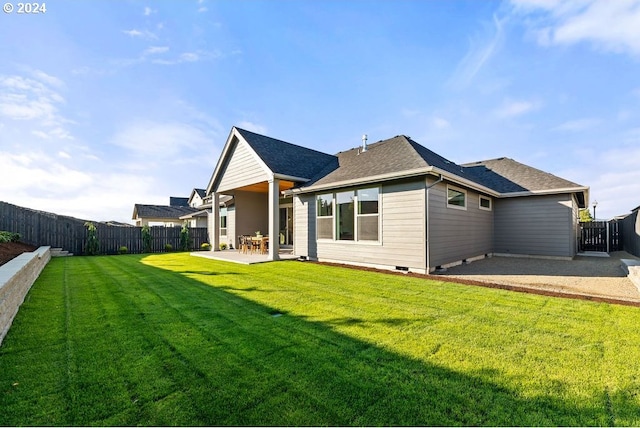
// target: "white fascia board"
[[360, 181], [547, 192], [221, 159], [290, 178]]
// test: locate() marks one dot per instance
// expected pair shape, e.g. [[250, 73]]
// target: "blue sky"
[[104, 104]]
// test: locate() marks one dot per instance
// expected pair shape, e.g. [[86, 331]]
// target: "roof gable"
[[285, 158], [270, 157]]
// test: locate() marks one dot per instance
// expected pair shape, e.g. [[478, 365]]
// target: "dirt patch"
[[10, 250]]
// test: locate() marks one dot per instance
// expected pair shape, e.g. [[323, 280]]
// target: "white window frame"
[[487, 199], [357, 215], [226, 216], [332, 216], [460, 190]]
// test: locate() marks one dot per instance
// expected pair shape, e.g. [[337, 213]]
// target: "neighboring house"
[[198, 200], [163, 215], [392, 204]]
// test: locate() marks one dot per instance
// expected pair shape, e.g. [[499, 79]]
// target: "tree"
[[92, 239], [184, 238], [585, 215], [146, 238]]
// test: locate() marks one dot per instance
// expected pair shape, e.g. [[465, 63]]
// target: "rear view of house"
[[391, 204]]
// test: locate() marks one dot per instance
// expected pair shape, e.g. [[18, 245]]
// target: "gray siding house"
[[393, 204]]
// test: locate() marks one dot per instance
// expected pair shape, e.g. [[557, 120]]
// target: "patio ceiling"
[[263, 187]]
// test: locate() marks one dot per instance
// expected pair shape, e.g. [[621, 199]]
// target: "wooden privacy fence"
[[70, 234], [600, 236]]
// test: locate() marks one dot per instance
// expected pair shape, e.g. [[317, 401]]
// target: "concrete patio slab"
[[236, 256]]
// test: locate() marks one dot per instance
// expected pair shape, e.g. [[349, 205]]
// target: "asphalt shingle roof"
[[394, 155], [506, 175], [286, 158], [162, 211]]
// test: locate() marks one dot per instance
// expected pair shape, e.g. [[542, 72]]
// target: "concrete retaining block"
[[632, 269], [16, 278]]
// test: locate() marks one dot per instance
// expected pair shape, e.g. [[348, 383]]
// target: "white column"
[[274, 219], [214, 225]]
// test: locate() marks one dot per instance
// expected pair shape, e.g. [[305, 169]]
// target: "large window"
[[223, 221], [456, 198], [368, 218], [356, 215], [345, 224], [324, 209]]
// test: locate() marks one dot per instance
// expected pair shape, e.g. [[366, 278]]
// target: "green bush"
[[123, 250], [205, 246], [9, 237], [168, 247], [223, 246]]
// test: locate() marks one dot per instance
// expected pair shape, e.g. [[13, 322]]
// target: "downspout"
[[429, 223]]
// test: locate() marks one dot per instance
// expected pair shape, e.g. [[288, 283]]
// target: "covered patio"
[[254, 171]]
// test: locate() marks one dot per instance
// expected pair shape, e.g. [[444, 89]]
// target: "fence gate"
[[601, 236]]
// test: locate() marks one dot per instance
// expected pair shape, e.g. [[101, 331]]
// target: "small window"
[[223, 221], [485, 203], [456, 198]]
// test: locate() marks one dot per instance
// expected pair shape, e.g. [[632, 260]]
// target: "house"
[[163, 215], [391, 204], [197, 200]]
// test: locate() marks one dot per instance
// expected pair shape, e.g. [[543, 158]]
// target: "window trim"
[[489, 208], [459, 190], [226, 221]]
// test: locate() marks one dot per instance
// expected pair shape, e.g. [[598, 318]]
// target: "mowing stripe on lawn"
[[179, 340]]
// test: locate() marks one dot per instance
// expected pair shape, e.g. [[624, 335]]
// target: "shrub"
[[9, 237], [168, 247], [123, 250], [223, 246], [205, 246]]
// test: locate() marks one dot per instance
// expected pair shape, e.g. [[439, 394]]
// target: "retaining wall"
[[16, 278]]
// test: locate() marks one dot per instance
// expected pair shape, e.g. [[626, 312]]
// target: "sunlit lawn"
[[179, 340]]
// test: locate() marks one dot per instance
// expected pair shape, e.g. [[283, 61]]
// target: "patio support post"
[[214, 225], [274, 219]]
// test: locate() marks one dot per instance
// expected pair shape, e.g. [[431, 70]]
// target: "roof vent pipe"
[[364, 143]]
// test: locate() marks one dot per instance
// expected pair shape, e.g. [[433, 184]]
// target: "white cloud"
[[611, 26], [510, 108], [143, 34], [155, 50], [440, 123], [35, 102], [578, 125], [253, 127], [480, 52], [162, 140], [612, 175], [148, 11]]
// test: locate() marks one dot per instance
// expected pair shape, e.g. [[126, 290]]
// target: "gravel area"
[[600, 277]]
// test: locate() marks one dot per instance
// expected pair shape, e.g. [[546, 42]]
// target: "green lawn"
[[178, 340]]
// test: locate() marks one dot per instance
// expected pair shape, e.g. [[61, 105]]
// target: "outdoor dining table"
[[260, 243]]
